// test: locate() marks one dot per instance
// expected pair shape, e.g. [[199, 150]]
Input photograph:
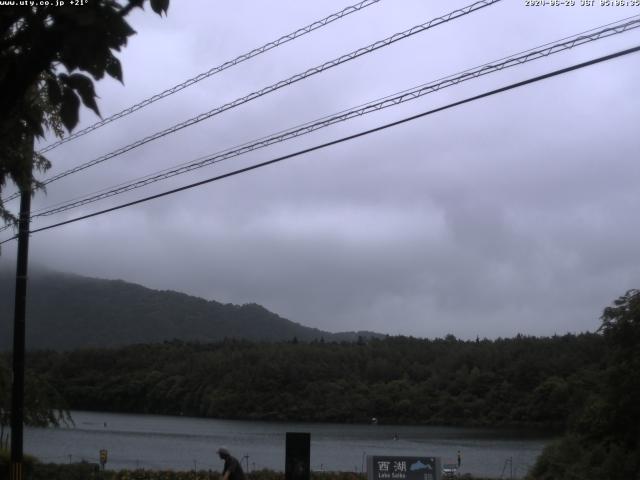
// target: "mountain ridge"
[[67, 311]]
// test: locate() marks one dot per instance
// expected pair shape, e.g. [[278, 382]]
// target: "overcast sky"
[[513, 214]]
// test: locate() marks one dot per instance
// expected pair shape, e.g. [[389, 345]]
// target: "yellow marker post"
[[16, 471], [103, 457]]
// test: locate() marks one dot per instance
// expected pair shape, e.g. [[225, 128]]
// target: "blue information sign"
[[385, 467]]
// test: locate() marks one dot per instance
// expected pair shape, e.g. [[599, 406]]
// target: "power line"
[[229, 63], [344, 139], [577, 39], [377, 105], [581, 38], [276, 86]]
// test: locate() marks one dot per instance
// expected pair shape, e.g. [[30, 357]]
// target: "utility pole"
[[17, 395]]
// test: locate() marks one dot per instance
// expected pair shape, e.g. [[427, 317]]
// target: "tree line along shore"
[[522, 381], [587, 386]]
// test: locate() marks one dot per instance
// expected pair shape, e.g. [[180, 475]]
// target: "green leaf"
[[113, 67], [53, 91], [160, 6], [86, 17], [84, 87], [33, 118], [69, 108], [119, 31]]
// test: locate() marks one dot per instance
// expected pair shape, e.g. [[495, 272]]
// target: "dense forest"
[[602, 439], [519, 381], [587, 385]]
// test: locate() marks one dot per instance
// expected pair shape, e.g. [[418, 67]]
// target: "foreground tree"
[[604, 439], [43, 50], [44, 406]]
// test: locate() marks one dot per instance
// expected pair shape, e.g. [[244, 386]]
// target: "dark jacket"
[[232, 465]]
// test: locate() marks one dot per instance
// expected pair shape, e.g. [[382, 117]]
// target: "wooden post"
[[17, 395]]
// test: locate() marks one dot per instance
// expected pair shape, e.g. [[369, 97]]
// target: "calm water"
[[182, 443]]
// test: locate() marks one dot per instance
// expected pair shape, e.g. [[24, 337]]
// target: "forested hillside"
[[603, 437], [68, 311], [520, 381]]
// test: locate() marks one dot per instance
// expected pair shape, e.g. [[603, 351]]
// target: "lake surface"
[[185, 443]]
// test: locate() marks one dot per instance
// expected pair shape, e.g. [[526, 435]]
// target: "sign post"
[[103, 458], [387, 467], [297, 456]]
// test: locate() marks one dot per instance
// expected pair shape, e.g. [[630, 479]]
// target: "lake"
[[185, 443]]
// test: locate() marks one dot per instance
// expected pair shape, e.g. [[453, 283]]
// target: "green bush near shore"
[[5, 462]]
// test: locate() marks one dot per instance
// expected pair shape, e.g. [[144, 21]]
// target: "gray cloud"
[[512, 214]]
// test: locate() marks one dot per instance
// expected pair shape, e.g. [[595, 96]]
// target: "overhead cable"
[[276, 86], [343, 139], [377, 105], [212, 71]]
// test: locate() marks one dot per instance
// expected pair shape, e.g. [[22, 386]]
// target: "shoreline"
[[37, 470], [531, 430]]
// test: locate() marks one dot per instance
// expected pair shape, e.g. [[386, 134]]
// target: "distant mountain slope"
[[67, 311]]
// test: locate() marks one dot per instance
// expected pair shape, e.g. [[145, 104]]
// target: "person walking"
[[232, 469]]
